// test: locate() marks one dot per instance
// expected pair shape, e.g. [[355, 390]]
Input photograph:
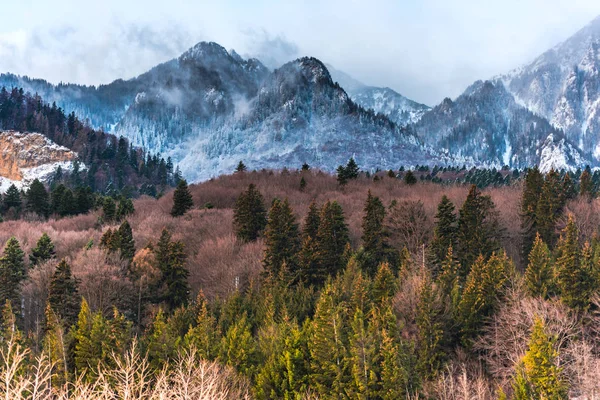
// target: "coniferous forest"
[[297, 284]]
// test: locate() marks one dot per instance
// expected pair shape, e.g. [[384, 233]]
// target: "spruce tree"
[[430, 330], [176, 276], [126, 242], [351, 169], [312, 221], [538, 375], [532, 190], [574, 280], [586, 186], [203, 336], [125, 208], [394, 374], [63, 295], [538, 275], [182, 199], [569, 191], [478, 229], [43, 251], [160, 342], [326, 345], [549, 208], [410, 178], [109, 209], [282, 239], [444, 233], [483, 289], [12, 199], [238, 348], [342, 176], [12, 272], [57, 342], [332, 238], [249, 215], [241, 167], [374, 234], [361, 358], [37, 199]]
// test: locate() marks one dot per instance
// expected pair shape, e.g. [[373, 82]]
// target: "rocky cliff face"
[[27, 156]]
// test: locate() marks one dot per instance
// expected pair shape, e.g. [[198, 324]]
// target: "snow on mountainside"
[[486, 126], [563, 85], [28, 156], [386, 101]]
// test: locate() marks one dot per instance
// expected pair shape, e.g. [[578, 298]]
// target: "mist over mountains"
[[210, 108]]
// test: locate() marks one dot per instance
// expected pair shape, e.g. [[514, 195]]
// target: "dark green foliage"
[[43, 251], [374, 235], [171, 261], [37, 199], [576, 279], [282, 240], [444, 233], [586, 186], [538, 275], [12, 272], [12, 200], [312, 221], [549, 208], [305, 167], [410, 178], [332, 238], [249, 215], [125, 208], [430, 323], [478, 229], [63, 295], [241, 167], [182, 199], [302, 183], [109, 209], [532, 190], [350, 171], [126, 242]]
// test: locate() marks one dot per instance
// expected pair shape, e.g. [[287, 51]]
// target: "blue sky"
[[425, 49]]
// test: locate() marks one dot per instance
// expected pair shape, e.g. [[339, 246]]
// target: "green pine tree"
[[56, 344], [444, 233], [249, 215], [12, 273], [12, 200], [37, 199], [532, 190], [109, 209], [312, 221], [126, 242], [586, 186], [410, 178], [374, 235], [63, 296], [241, 167], [238, 348], [203, 336], [331, 241], [182, 199], [43, 251], [430, 326], [575, 280], [538, 376], [282, 239], [478, 229], [538, 275]]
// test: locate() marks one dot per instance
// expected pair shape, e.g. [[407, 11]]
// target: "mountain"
[[25, 157], [563, 86], [210, 108], [486, 126], [386, 101]]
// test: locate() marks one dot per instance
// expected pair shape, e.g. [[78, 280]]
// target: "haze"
[[424, 49]]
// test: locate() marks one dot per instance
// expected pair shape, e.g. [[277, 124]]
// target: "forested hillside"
[[303, 285], [106, 163]]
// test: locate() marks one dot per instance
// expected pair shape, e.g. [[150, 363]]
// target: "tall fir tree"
[[374, 235], [63, 296], [429, 319], [312, 221], [444, 233], [574, 280], [532, 190], [549, 208], [282, 240], [126, 241], [332, 238], [12, 199], [538, 376], [12, 273], [182, 199], [56, 343], [43, 251], [238, 347], [586, 186], [538, 275], [478, 229], [482, 292], [249, 215], [37, 199]]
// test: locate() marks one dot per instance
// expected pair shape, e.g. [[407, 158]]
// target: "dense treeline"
[[111, 163], [378, 290]]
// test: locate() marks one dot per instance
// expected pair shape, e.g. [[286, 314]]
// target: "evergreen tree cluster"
[[112, 163]]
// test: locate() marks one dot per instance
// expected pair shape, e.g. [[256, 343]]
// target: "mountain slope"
[[386, 101], [563, 85], [486, 126]]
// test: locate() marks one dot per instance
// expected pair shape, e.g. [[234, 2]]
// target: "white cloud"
[[425, 49]]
